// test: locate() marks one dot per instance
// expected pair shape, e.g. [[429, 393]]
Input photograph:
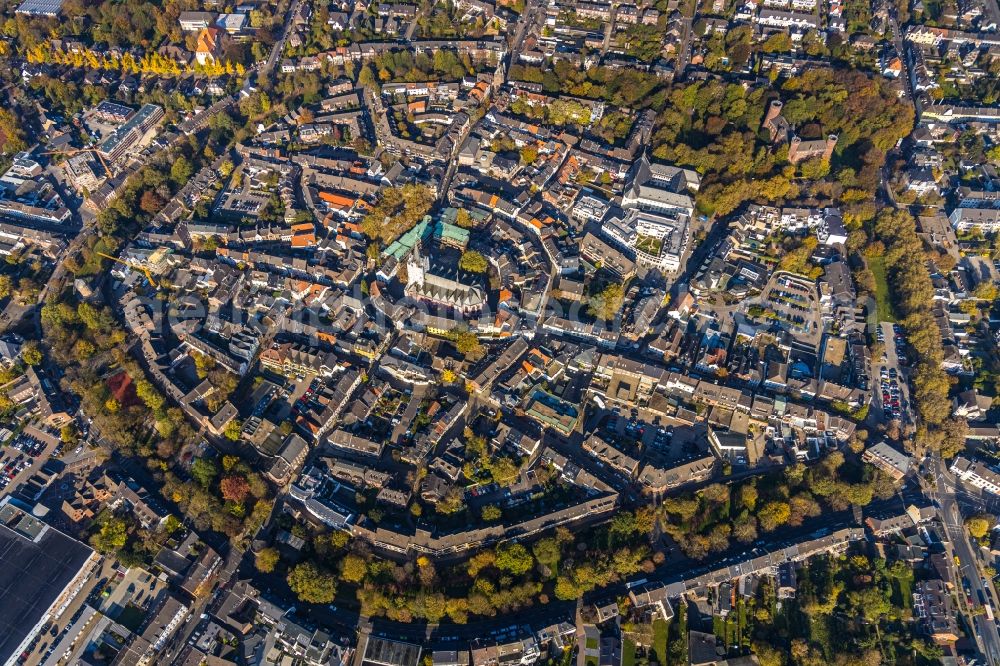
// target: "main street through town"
[[948, 495]]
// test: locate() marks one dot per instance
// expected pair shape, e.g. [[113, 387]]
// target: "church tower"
[[415, 267]]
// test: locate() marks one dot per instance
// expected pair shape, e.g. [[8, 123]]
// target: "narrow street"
[[279, 46], [684, 53]]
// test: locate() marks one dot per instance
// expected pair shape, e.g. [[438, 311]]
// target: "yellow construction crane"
[[70, 152], [133, 266]]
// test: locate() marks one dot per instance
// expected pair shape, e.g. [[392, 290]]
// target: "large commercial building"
[[41, 572], [656, 240], [125, 137], [986, 220], [439, 291], [652, 225]]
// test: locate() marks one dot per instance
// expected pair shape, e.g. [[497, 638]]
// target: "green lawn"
[[660, 628], [726, 629], [882, 300], [649, 244], [628, 653], [719, 628], [902, 593], [741, 619]]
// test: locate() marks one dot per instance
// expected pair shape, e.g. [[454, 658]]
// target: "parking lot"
[[793, 303], [26, 453], [891, 398]]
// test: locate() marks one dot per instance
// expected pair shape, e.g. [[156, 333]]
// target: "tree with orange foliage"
[[234, 488]]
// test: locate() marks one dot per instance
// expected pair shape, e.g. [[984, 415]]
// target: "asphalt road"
[[279, 46], [544, 615], [684, 53], [528, 18], [970, 563], [900, 46]]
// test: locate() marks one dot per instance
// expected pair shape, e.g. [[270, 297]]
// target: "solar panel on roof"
[[40, 7]]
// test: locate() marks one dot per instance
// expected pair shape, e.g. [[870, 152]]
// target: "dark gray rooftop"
[[37, 563]]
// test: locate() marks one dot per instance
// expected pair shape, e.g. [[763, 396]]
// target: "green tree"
[[149, 395], [233, 430], [353, 568], [748, 496], [267, 559], [773, 515], [870, 603], [978, 526], [398, 211], [83, 349], [768, 655], [622, 527], [463, 219], [503, 470], [606, 304], [566, 590], [181, 170], [11, 133], [31, 353], [203, 363], [491, 513], [68, 434], [453, 502], [745, 529], [339, 539], [994, 154], [547, 552], [171, 524], [986, 291], [312, 584], [778, 42], [367, 79], [514, 559], [466, 343], [473, 262], [112, 535], [204, 471]]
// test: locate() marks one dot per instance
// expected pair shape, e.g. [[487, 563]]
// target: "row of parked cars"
[[28, 444], [891, 395], [13, 467]]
